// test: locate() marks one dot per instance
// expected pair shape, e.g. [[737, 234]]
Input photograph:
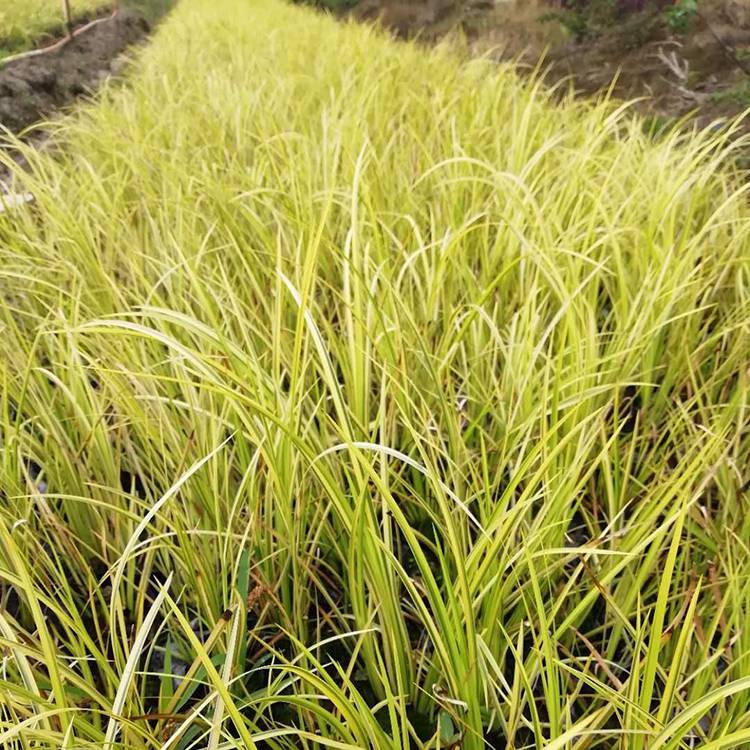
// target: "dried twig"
[[672, 61], [68, 18]]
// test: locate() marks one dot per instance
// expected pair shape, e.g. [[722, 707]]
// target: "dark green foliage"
[[681, 15], [586, 19], [334, 5]]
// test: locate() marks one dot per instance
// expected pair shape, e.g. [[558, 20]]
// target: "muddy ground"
[[34, 87], [704, 71]]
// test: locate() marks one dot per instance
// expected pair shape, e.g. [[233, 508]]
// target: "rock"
[[10, 201]]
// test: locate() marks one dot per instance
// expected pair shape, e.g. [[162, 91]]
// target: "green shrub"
[[585, 19]]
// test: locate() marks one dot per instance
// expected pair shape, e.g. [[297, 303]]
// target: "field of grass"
[[356, 395]]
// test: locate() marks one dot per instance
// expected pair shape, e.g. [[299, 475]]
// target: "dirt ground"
[[704, 71], [34, 87]]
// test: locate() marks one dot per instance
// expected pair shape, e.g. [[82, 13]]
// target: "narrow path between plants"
[[35, 86]]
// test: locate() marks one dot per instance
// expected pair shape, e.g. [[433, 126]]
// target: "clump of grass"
[[358, 396]]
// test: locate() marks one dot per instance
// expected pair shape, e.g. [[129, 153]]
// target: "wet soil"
[[34, 87]]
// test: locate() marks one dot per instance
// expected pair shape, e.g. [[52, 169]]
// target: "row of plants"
[[354, 394]]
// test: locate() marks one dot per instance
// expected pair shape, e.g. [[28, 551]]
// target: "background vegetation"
[[588, 18], [356, 395], [25, 24], [22, 22]]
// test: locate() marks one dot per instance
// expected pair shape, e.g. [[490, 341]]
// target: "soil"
[[698, 72], [35, 87]]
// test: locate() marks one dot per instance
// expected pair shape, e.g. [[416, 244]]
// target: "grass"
[[23, 22], [738, 95], [356, 395]]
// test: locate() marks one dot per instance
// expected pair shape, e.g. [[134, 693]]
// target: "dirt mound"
[[33, 87], [704, 70]]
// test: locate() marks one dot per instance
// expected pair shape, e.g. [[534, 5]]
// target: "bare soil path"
[[36, 86]]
